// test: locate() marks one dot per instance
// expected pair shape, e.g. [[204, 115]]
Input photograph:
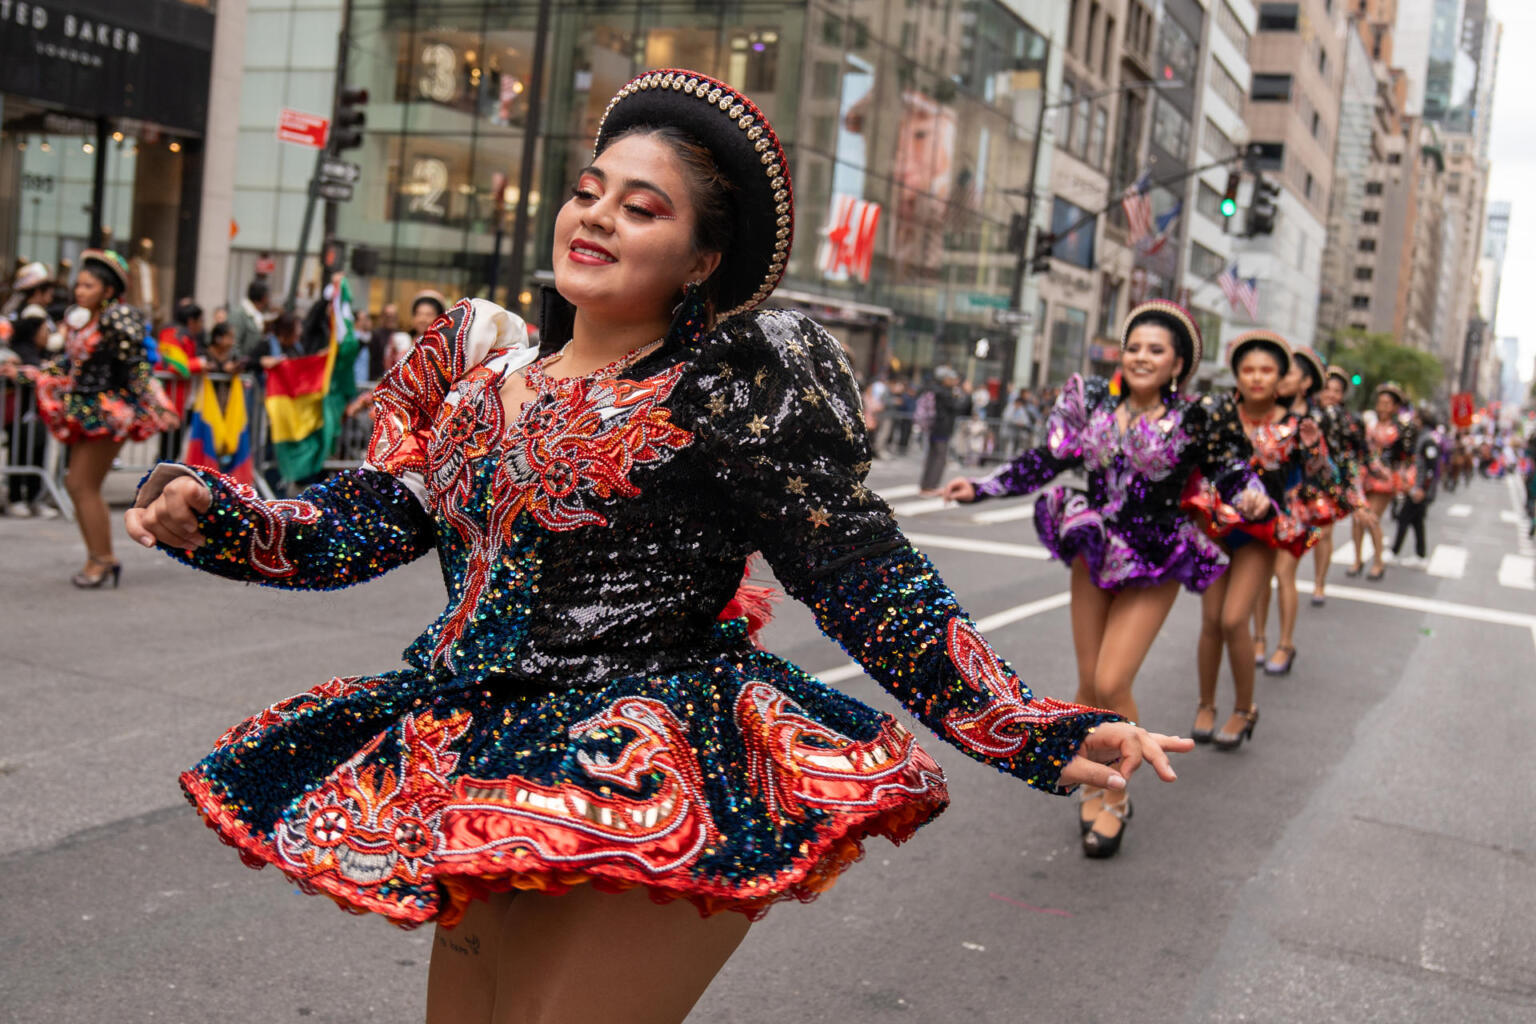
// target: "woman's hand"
[[168, 419], [171, 519], [1253, 505], [1110, 753], [959, 489]]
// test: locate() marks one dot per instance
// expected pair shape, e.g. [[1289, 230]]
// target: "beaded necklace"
[[541, 384]]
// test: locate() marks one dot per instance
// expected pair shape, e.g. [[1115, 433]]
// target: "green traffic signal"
[[1355, 380], [1228, 207]]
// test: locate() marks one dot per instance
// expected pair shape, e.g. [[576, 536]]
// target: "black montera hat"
[[1260, 339], [1187, 339], [747, 151]]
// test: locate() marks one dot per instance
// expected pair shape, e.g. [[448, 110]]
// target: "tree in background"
[[1377, 358]]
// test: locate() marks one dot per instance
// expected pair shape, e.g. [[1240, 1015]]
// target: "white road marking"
[[904, 491], [985, 547], [1459, 511], [1449, 561], [1007, 617], [1509, 516], [1518, 571], [1388, 599], [918, 508], [1005, 515]]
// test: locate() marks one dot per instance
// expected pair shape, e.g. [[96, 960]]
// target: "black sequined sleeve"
[[348, 529], [782, 413], [1222, 449]]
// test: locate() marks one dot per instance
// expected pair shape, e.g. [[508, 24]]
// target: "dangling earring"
[[689, 291]]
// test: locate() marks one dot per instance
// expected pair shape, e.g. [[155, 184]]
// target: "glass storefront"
[[907, 125]]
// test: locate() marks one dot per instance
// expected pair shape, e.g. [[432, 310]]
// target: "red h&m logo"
[[850, 244]]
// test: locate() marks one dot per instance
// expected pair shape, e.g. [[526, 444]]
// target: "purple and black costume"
[[1127, 525]]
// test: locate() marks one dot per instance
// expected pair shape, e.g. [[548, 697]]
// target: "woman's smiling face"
[[1150, 359], [624, 241]]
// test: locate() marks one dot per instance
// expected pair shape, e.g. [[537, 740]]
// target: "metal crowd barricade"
[[31, 460], [171, 445]]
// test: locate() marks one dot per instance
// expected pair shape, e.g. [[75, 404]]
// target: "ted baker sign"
[[74, 28]]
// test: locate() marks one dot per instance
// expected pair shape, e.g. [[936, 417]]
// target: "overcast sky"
[[1514, 170]]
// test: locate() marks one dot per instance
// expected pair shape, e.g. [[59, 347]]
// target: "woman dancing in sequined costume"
[[1389, 472], [1283, 448], [1126, 540], [585, 748], [1321, 497], [100, 396], [1345, 435]]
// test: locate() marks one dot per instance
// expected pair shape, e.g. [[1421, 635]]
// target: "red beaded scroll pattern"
[[570, 824], [1002, 728], [409, 397], [382, 822], [794, 762]]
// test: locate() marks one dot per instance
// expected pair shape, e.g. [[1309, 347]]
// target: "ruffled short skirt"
[[734, 785], [73, 416], [1070, 527], [1391, 481], [1282, 531]]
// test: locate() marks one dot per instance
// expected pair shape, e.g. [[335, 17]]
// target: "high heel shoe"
[[1085, 796], [1273, 667], [1355, 570], [1097, 845], [1231, 741], [110, 569], [1203, 735]]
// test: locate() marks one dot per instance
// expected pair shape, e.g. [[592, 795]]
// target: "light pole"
[[1022, 267]]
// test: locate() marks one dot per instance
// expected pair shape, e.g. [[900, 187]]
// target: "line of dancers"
[[1215, 493]]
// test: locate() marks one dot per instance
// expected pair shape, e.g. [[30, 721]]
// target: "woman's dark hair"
[[26, 331], [286, 321], [103, 278], [218, 331], [186, 312], [257, 291], [1314, 382], [712, 194], [1176, 330]]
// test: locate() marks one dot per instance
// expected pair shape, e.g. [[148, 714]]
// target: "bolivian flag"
[[218, 437], [307, 394]]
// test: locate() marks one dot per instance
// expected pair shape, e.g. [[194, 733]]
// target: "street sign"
[[302, 129], [341, 172], [332, 191], [1014, 317], [984, 300]]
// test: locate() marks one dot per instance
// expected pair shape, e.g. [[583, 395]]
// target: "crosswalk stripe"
[[1005, 515], [1518, 571], [986, 547], [1509, 516], [1459, 511], [918, 508], [903, 491], [1448, 561]]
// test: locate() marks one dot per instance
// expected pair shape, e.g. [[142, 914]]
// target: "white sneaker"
[[1412, 562], [19, 510], [43, 511]]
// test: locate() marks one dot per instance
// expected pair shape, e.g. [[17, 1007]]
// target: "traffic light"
[[1229, 197], [1263, 207], [1040, 262], [1355, 379], [347, 125]]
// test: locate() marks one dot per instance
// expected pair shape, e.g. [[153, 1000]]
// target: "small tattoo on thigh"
[[469, 946]]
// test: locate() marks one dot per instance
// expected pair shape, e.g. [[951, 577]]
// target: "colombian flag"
[[219, 438], [307, 395]]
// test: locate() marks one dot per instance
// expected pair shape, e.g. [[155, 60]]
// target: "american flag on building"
[[1240, 291], [1137, 205]]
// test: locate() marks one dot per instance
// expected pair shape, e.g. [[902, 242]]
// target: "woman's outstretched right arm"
[[1062, 450]]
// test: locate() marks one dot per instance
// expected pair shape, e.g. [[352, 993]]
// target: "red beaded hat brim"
[[747, 151], [108, 262]]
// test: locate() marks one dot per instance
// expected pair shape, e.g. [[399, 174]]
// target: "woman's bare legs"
[[1322, 558], [1378, 503], [1289, 600], [1225, 609], [1357, 534], [1090, 612], [581, 957], [89, 464], [1135, 616], [1260, 622]]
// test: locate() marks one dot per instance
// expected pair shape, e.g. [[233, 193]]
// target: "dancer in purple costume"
[[1128, 543]]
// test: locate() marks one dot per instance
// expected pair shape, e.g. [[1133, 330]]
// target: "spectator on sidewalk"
[[902, 404], [876, 396], [250, 323], [937, 411], [378, 339], [25, 430]]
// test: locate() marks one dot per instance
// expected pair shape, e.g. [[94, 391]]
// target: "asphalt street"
[[1371, 856]]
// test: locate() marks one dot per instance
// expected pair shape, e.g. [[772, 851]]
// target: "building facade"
[[103, 108], [1298, 71]]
